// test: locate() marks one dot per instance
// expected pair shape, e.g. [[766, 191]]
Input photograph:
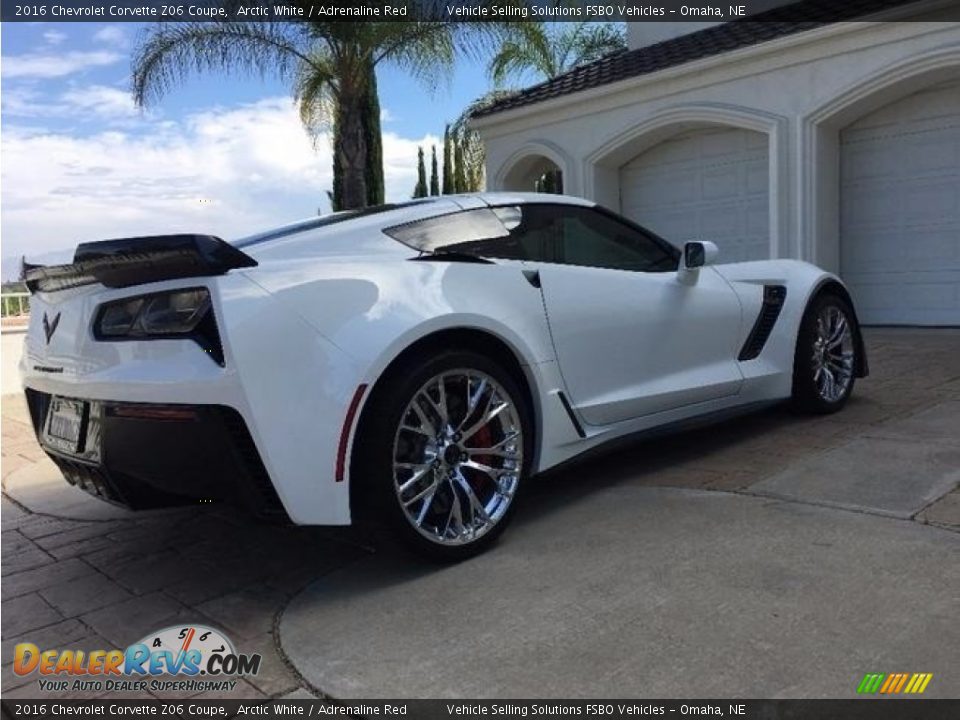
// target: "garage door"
[[704, 185], [900, 210]]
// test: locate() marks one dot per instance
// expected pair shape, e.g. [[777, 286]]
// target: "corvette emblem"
[[49, 328]]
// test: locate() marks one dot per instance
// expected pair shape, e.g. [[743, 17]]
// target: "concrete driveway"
[[768, 556]]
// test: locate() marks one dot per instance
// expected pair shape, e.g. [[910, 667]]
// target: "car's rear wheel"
[[446, 452], [826, 356]]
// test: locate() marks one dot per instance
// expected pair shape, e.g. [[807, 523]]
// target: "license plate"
[[64, 423]]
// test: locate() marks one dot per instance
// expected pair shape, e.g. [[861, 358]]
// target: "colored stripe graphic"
[[894, 683], [870, 683], [891, 679]]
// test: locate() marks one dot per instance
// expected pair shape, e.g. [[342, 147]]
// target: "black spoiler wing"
[[135, 261]]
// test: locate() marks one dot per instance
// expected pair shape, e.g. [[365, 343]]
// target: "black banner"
[[855, 709], [456, 10]]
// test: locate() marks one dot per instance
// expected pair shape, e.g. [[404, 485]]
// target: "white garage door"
[[900, 210], [704, 185]]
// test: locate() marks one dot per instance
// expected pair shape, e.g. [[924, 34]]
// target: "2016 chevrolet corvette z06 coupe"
[[409, 364]]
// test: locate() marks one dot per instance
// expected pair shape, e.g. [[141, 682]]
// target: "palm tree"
[[331, 65], [547, 50]]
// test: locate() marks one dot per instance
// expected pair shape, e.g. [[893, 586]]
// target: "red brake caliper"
[[481, 438]]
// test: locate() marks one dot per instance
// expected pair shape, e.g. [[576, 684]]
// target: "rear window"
[[484, 232]]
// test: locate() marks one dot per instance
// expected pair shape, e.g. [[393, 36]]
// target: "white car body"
[[326, 311]]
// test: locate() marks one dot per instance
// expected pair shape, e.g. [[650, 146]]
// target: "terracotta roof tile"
[[763, 27]]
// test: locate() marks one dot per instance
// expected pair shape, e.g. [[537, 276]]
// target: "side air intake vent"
[[773, 297]]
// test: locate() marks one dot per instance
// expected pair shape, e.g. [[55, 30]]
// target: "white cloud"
[[106, 105], [38, 65], [228, 172], [100, 100], [111, 35], [54, 37]]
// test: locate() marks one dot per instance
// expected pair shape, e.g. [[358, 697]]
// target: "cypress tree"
[[459, 172], [448, 187], [336, 194], [434, 177], [421, 189], [374, 139]]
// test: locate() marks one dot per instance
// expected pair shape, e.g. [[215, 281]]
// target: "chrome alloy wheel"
[[833, 354], [457, 456]]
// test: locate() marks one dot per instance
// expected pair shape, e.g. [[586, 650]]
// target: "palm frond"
[[592, 41], [314, 91], [168, 53]]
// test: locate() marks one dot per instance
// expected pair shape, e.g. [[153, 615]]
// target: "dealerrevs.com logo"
[[192, 657]]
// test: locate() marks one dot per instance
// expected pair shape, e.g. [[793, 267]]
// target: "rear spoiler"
[[135, 261]]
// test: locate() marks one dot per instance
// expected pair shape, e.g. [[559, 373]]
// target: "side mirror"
[[699, 253]]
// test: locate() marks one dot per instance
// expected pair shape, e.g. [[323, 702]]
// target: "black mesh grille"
[[773, 297]]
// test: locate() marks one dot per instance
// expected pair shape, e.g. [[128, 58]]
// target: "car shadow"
[[640, 461]]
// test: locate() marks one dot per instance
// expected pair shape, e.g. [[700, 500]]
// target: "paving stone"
[[11, 680], [85, 531], [893, 477], [26, 613], [43, 525], [129, 621], [84, 594], [43, 577], [247, 613], [61, 633], [80, 548], [11, 512], [940, 423], [945, 511], [274, 678], [200, 582], [111, 556], [150, 572], [13, 542], [146, 531], [26, 559]]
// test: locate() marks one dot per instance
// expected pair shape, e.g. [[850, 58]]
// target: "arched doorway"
[[533, 173]]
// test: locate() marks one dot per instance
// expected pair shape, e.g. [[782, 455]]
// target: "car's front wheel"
[[826, 356], [445, 453]]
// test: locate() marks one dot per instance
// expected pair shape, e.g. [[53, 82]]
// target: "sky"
[[220, 154]]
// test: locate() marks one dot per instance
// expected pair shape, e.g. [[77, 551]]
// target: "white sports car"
[[410, 364]]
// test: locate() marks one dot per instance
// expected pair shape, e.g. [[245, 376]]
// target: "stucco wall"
[[800, 90]]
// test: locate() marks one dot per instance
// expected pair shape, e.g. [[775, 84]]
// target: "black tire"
[[809, 396], [376, 495]]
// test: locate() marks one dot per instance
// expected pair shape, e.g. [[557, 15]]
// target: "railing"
[[15, 304]]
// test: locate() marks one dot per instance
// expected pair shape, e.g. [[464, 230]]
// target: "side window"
[[541, 232], [592, 238]]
